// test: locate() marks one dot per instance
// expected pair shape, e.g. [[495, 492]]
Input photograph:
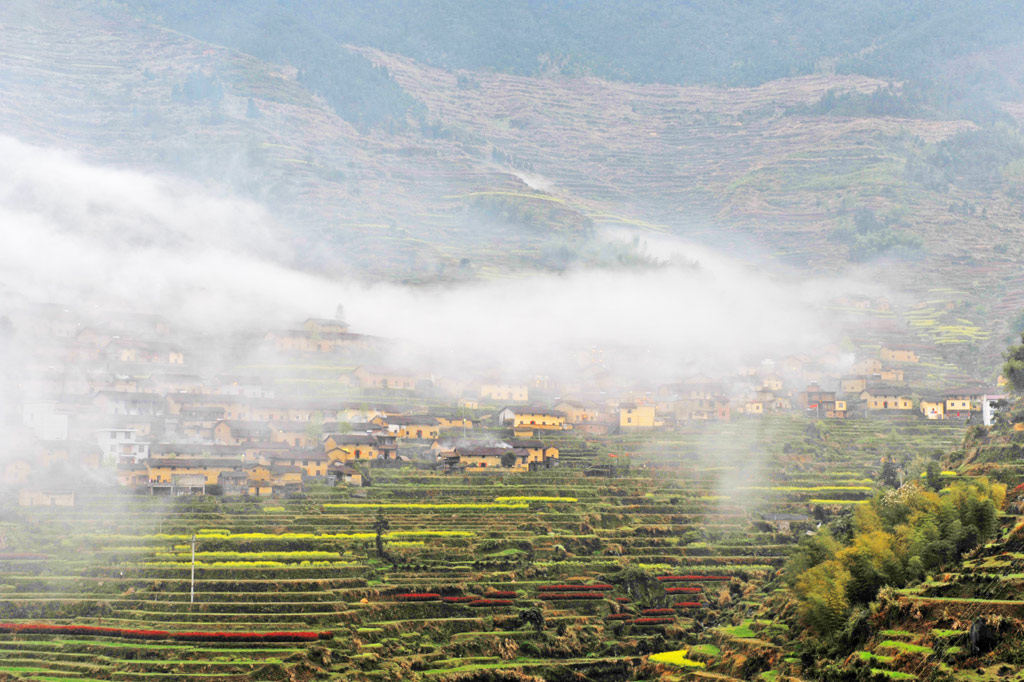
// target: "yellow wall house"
[[753, 408], [413, 427], [295, 433], [319, 325], [480, 458], [286, 477], [309, 341], [235, 432], [475, 460], [532, 418], [164, 470], [379, 378], [344, 474], [259, 480], [538, 454], [840, 410], [892, 374], [232, 406], [452, 421], [888, 354], [853, 384], [349, 447], [312, 462], [934, 408], [888, 400], [578, 413], [516, 393], [867, 366], [634, 416], [958, 406]]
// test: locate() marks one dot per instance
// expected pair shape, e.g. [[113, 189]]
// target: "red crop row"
[[491, 602], [419, 596], [622, 600], [619, 616], [459, 600], [577, 588], [658, 612], [665, 578], [502, 593], [653, 621], [51, 629], [571, 595], [690, 590], [687, 604]]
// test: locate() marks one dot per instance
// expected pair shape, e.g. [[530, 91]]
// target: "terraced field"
[[543, 572]]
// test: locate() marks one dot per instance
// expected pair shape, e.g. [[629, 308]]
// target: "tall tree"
[[381, 526], [1013, 368]]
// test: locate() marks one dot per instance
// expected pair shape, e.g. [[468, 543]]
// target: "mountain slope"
[[512, 171]]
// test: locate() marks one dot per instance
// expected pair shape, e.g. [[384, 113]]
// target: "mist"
[[101, 238]]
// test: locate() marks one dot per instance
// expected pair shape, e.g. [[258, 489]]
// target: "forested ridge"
[[730, 43]]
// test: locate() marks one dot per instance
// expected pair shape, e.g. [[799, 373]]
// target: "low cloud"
[[91, 236]]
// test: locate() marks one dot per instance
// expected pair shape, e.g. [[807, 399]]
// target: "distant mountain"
[[426, 141], [724, 42]]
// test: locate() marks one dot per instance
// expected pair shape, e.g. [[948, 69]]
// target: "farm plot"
[[431, 573]]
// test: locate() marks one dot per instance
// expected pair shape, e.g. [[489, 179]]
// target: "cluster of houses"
[[126, 393]]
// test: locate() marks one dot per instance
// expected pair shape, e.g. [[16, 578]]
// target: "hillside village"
[[678, 342], [131, 397]]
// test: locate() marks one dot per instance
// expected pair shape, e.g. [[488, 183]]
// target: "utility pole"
[[192, 588]]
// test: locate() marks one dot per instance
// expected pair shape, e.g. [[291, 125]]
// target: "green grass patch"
[[705, 650], [893, 674], [906, 646], [741, 631]]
